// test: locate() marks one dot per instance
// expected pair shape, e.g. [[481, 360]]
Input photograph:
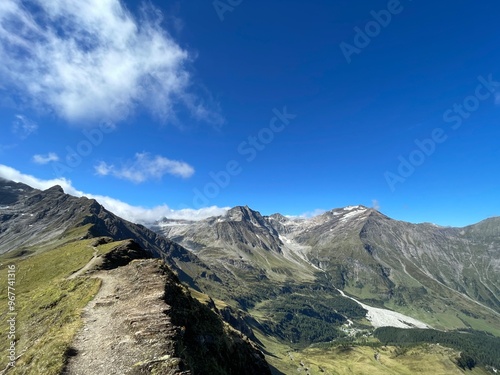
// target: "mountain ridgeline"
[[61, 246], [447, 277], [240, 284]]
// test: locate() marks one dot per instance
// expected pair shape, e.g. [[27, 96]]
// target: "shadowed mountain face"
[[421, 269], [30, 217]]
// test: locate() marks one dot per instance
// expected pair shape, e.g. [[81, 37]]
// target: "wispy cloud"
[[23, 127], [45, 159], [497, 99], [92, 60], [145, 167], [309, 214], [375, 204], [136, 214]]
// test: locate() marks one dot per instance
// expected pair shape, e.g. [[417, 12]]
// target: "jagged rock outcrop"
[[122, 255]]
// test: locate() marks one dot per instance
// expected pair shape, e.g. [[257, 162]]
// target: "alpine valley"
[[350, 291]]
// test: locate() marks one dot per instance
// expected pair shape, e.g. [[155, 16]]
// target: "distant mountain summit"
[[423, 268]]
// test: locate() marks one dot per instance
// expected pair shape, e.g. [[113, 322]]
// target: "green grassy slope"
[[339, 359], [47, 303]]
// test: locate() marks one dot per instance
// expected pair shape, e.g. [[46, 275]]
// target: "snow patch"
[[171, 224], [352, 213], [350, 208]]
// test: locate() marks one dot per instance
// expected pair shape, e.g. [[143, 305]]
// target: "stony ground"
[[126, 328]]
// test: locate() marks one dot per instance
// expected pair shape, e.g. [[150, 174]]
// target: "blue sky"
[[183, 108]]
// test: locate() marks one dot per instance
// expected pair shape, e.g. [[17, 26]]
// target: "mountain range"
[[420, 269], [268, 287]]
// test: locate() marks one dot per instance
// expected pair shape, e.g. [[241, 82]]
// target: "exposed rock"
[[102, 241], [122, 255]]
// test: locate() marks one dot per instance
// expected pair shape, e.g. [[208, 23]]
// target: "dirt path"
[[125, 326], [96, 259]]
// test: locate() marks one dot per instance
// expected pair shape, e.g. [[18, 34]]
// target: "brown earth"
[[126, 327]]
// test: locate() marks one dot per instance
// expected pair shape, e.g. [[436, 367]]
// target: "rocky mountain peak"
[[279, 218], [56, 189], [348, 209], [341, 215], [244, 213], [10, 191]]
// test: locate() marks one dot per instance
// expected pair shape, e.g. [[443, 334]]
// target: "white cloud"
[[145, 167], [45, 159], [23, 127], [14, 175], [93, 60], [309, 214], [102, 169], [136, 214], [497, 99], [375, 204]]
